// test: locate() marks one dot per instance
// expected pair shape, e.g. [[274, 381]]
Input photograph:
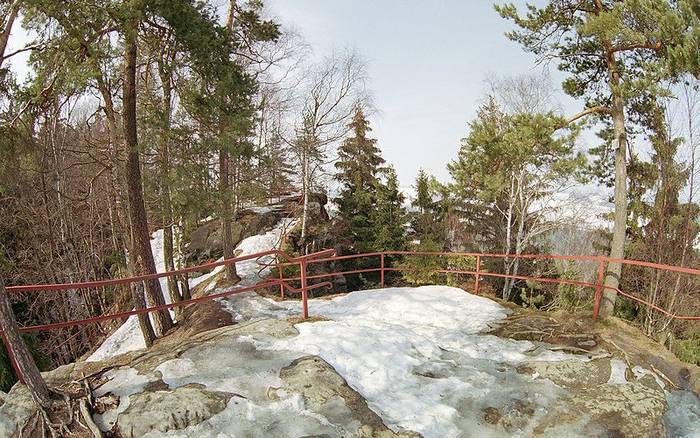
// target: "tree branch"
[[587, 111]]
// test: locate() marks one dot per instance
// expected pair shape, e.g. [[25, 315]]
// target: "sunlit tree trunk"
[[138, 221], [617, 246]]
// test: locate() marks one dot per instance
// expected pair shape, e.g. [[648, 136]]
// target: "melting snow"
[[122, 382], [683, 416], [128, 337], [417, 355], [617, 372], [420, 356]]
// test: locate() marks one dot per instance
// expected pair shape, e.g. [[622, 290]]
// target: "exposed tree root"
[[69, 415]]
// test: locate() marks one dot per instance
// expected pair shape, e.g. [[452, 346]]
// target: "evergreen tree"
[[358, 168], [614, 52], [424, 234], [389, 217], [423, 221], [506, 165]]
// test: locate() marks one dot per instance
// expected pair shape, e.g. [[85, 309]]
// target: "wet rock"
[[571, 373], [165, 411], [326, 392], [633, 408], [492, 415], [18, 407]]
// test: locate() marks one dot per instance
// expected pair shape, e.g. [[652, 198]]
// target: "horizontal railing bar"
[[118, 281], [233, 291]]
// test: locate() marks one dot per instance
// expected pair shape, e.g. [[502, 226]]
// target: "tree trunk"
[[16, 347], [305, 194], [519, 237], [138, 221], [184, 278], [225, 186], [165, 73], [5, 35], [617, 246], [138, 301], [507, 263]]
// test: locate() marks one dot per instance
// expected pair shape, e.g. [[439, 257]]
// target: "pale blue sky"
[[427, 63]]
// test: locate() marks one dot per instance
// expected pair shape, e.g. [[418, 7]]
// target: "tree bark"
[[165, 73], [225, 186], [138, 221], [305, 193], [617, 246], [226, 223], [5, 35], [184, 278], [138, 301], [507, 263], [16, 347]]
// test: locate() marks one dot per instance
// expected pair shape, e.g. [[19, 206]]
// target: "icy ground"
[[421, 358], [128, 336]]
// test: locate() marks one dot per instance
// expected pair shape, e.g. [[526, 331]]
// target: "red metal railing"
[[282, 283], [478, 273], [329, 255]]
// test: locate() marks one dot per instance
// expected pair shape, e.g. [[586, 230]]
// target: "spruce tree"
[[389, 216], [423, 220], [358, 168], [424, 235]]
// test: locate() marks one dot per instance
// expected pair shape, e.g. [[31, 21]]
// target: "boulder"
[[328, 394], [206, 242], [16, 409], [600, 400], [165, 411]]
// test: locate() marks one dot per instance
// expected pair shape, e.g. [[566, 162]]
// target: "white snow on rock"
[[122, 383], [385, 342], [617, 372], [128, 337], [259, 407]]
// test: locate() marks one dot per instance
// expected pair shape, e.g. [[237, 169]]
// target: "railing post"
[[477, 276], [304, 292], [599, 288], [279, 269], [381, 272]]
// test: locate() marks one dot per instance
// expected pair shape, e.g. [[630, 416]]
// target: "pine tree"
[[358, 168], [506, 165], [614, 52]]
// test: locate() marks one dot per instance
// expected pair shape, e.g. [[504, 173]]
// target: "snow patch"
[[415, 353], [122, 382], [618, 368], [128, 337]]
